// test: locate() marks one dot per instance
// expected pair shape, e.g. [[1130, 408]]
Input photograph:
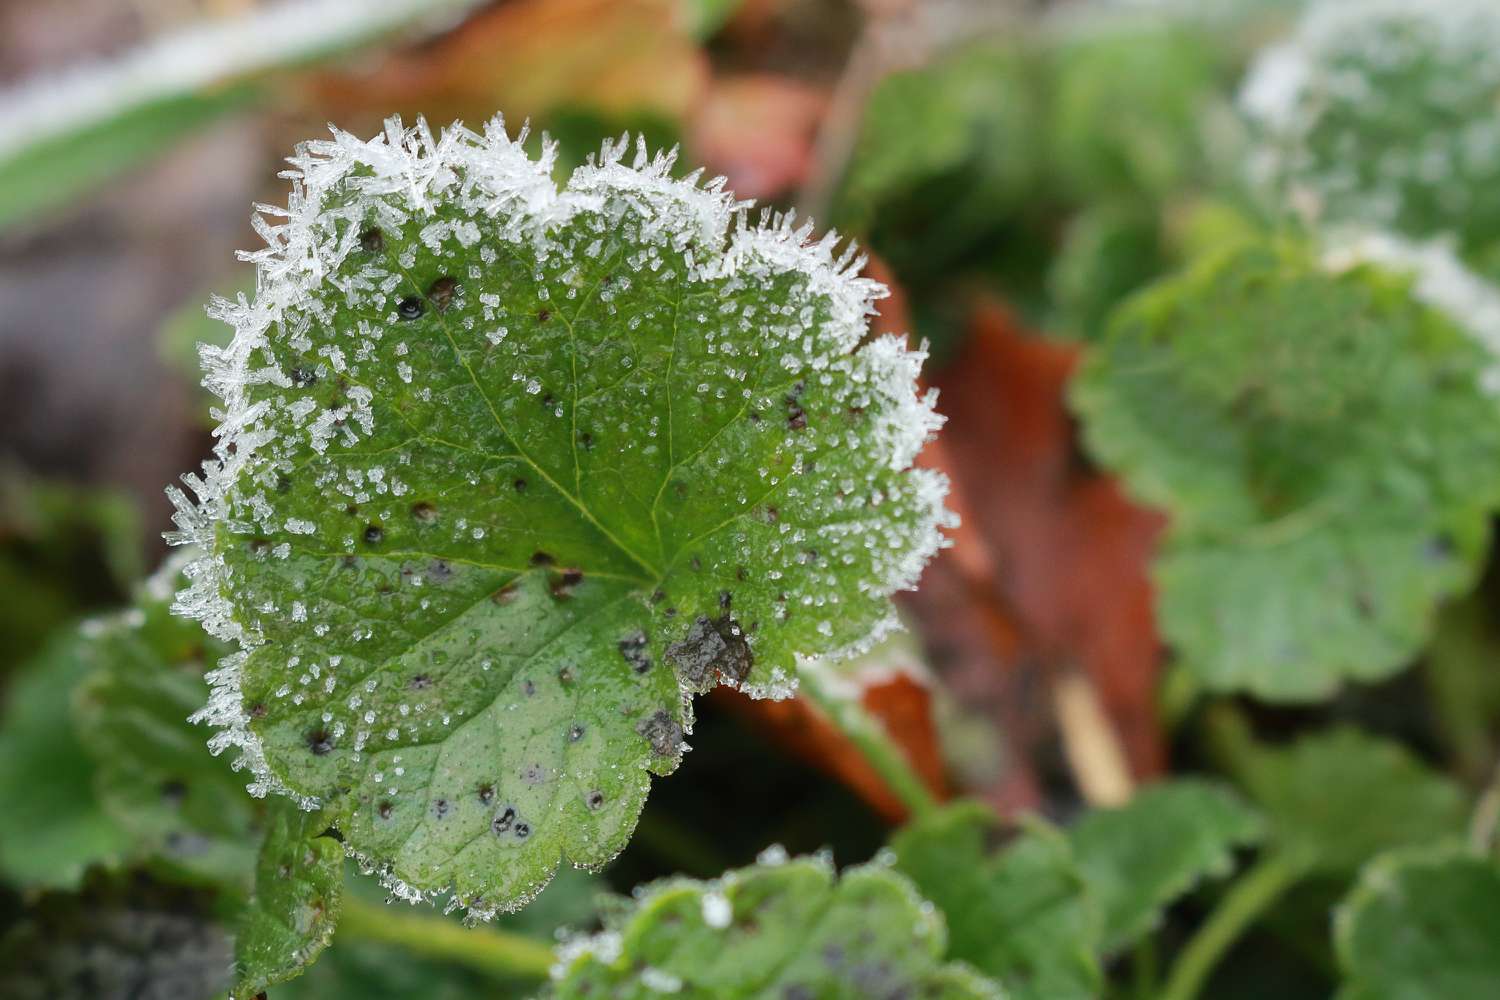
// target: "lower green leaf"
[[1421, 925], [786, 929], [1020, 913], [1138, 858], [52, 826], [1338, 798], [299, 882], [153, 775]]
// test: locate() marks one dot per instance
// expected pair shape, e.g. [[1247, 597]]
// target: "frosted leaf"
[[790, 929], [503, 564], [1382, 113]]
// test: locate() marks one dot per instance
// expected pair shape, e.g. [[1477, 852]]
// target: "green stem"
[[873, 743], [1250, 896], [1143, 969], [497, 953]]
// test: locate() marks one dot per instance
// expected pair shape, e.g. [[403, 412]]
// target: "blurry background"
[[1013, 168]]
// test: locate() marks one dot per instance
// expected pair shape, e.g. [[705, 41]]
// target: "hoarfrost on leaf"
[[1346, 112], [474, 593], [789, 929]]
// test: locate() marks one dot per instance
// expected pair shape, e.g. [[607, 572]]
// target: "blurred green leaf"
[[785, 929], [1107, 253], [1421, 925], [153, 772], [946, 158], [1138, 858], [65, 549], [52, 826], [1018, 911], [1325, 451], [1130, 109], [1335, 799], [290, 918]]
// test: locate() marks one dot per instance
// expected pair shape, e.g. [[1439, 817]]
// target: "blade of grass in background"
[[61, 136]]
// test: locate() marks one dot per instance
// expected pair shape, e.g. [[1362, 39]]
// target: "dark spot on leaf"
[[440, 571], [440, 293], [725, 599], [173, 792], [528, 687], [486, 794], [634, 648], [523, 830], [565, 676], [1439, 549], [373, 534], [372, 240], [520, 485], [663, 733], [260, 546], [575, 733], [564, 583], [505, 594], [711, 651], [587, 440], [594, 799], [658, 595], [303, 377], [543, 315], [319, 742], [773, 515], [796, 418], [258, 710], [503, 820], [440, 808], [540, 558], [420, 682], [548, 402], [424, 512], [533, 774], [410, 307]]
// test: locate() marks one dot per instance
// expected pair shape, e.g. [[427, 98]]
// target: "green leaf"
[[1385, 117], [1108, 252], [1337, 798], [1131, 106], [121, 935], [152, 773], [1421, 925], [299, 882], [1020, 913], [946, 155], [1138, 858], [52, 826], [1325, 450], [781, 928], [64, 551], [507, 474]]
